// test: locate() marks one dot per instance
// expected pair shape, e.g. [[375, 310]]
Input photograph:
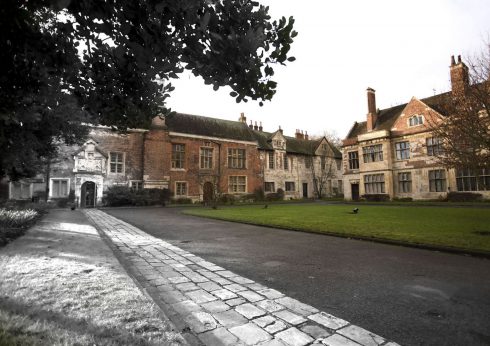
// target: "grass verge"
[[466, 229]]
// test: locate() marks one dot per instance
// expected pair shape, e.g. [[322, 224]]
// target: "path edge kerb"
[[167, 313], [462, 252]]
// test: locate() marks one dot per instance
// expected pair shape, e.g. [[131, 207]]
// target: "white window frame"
[[131, 182], [206, 160], [51, 181], [123, 162], [415, 120], [231, 184], [186, 189]]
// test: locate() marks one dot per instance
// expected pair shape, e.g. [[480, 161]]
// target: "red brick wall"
[[196, 177]]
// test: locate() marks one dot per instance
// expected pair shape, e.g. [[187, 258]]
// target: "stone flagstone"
[[220, 307]]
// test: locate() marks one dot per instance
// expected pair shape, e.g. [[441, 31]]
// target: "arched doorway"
[[208, 192], [88, 195]]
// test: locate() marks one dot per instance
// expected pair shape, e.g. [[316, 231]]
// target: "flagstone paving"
[[214, 306]]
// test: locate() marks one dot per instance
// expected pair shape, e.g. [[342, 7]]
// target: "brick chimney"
[[260, 127], [372, 115], [251, 125], [299, 134], [243, 118], [306, 135], [256, 127], [459, 76], [280, 130]]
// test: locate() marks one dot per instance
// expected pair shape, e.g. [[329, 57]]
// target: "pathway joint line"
[[217, 306]]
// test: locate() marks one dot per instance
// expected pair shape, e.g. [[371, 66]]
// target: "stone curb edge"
[[167, 313]]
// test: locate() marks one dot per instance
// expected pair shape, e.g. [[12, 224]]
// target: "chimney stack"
[[298, 134], [460, 79], [372, 115], [280, 130], [306, 135], [251, 126], [243, 118], [260, 127], [256, 127]]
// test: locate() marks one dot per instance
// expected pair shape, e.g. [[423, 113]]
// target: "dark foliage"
[[66, 63], [117, 196], [464, 197], [380, 197]]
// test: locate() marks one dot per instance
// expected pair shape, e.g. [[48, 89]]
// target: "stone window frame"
[[374, 183], [270, 157], [353, 158], [289, 186], [469, 180], [52, 182], [206, 157], [405, 182], [372, 153], [286, 162], [437, 180], [23, 187], [181, 189], [269, 186], [178, 156], [434, 146], [117, 163], [237, 158], [402, 150], [415, 120], [136, 185], [235, 185]]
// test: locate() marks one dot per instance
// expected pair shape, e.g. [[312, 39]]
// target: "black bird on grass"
[[355, 210]]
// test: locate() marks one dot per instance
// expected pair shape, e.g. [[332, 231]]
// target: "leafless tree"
[[322, 171], [464, 131]]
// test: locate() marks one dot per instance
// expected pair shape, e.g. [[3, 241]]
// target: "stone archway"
[[208, 192], [88, 194]]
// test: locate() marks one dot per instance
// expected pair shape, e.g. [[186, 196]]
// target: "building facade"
[[394, 151], [194, 157]]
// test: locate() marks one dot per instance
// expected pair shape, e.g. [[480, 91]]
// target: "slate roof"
[[388, 116], [236, 130], [206, 126]]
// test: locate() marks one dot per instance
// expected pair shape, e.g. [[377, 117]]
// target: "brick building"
[[394, 151], [193, 156]]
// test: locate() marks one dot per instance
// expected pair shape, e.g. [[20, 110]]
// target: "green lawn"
[[462, 228]]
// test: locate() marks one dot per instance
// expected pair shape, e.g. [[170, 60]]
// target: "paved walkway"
[[214, 306]]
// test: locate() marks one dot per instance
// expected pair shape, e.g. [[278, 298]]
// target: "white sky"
[[399, 48]]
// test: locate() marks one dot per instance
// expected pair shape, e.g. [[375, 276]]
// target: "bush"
[[403, 199], [227, 199], [280, 193], [273, 196], [464, 197], [116, 196], [378, 197], [249, 197], [259, 194], [182, 200], [13, 223]]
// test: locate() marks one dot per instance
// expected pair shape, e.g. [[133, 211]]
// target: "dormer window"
[[415, 120], [90, 155]]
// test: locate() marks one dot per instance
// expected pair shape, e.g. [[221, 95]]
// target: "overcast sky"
[[399, 48]]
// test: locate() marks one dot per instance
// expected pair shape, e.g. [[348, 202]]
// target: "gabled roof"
[[236, 130], [388, 116]]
